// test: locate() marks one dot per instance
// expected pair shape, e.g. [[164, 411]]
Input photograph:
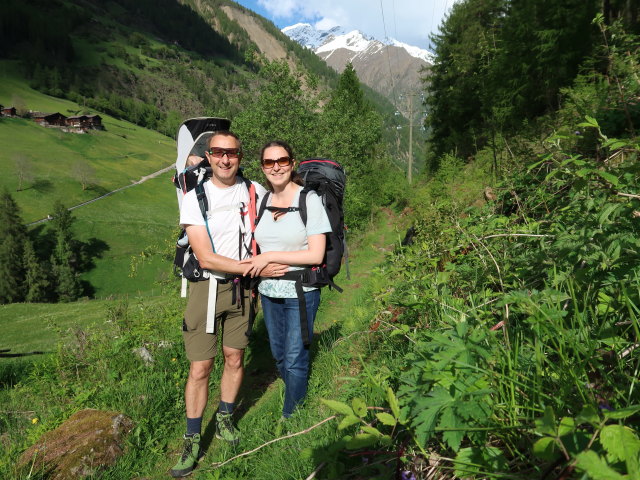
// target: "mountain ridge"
[[308, 36], [390, 68]]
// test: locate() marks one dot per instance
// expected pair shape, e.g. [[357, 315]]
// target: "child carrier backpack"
[[327, 178], [192, 141]]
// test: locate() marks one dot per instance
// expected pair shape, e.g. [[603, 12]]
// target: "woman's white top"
[[289, 234]]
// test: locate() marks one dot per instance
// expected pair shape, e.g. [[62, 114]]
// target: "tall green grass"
[[513, 327], [95, 367]]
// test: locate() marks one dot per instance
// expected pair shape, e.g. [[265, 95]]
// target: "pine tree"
[[63, 259], [459, 77], [350, 131], [13, 236], [544, 44], [36, 278]]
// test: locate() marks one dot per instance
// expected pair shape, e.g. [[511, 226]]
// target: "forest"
[[497, 339]]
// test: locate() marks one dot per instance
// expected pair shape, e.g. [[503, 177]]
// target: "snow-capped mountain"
[[309, 37], [417, 52], [391, 68]]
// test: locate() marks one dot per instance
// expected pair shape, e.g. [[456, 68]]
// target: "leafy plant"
[[591, 443]]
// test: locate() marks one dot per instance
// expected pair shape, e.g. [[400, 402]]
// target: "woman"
[[283, 238]]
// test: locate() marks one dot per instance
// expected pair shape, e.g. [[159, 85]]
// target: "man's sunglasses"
[[282, 162], [221, 152]]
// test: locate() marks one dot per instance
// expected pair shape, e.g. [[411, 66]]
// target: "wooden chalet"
[[77, 121], [9, 111], [49, 119], [95, 121], [85, 121]]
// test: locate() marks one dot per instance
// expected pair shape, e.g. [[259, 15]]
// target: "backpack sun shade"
[[327, 178], [192, 171]]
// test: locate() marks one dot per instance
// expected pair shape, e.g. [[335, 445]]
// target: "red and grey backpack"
[[327, 178]]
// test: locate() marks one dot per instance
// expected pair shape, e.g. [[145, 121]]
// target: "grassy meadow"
[[117, 156], [97, 369], [120, 226]]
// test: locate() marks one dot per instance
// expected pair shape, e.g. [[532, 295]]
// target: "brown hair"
[[295, 178], [225, 133]]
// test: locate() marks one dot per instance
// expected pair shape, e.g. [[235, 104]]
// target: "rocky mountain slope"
[[391, 68]]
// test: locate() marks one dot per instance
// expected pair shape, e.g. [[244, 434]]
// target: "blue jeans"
[[282, 317]]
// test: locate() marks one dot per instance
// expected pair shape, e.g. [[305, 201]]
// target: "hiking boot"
[[282, 426], [189, 458], [225, 430]]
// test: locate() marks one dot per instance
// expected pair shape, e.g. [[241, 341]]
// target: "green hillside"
[[120, 154], [130, 221], [121, 225]]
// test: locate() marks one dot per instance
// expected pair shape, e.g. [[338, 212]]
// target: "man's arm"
[[201, 245], [255, 266]]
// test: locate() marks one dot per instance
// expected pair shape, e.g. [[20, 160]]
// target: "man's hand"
[[271, 270]]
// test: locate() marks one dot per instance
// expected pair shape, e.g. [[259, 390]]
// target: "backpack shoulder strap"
[[201, 195], [302, 205], [253, 200], [263, 207]]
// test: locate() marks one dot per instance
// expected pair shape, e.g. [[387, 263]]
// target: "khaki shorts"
[[230, 321]]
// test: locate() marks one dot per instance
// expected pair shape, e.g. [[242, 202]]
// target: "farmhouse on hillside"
[[49, 119], [85, 121], [8, 111]]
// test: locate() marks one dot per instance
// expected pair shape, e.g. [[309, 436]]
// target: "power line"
[[433, 15], [384, 26], [395, 27]]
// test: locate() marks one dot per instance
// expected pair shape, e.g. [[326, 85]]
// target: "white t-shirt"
[[289, 234], [224, 221]]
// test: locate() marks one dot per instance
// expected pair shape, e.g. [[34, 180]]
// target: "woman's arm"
[[313, 255], [201, 245]]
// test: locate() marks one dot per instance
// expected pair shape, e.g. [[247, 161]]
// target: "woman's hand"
[[255, 265], [274, 270]]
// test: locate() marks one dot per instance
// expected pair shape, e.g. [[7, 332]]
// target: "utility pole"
[[410, 160], [410, 111]]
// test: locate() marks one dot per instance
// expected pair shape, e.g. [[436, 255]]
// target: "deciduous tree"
[[23, 169], [84, 173], [282, 110]]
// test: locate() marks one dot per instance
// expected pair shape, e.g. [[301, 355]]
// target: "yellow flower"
[[173, 359], [34, 420]]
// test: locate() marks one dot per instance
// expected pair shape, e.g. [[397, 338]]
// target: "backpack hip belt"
[[303, 278], [237, 298]]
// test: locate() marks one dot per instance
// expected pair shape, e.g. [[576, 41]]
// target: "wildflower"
[[35, 420], [173, 359], [407, 475]]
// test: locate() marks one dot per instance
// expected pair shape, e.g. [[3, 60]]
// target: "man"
[[218, 242]]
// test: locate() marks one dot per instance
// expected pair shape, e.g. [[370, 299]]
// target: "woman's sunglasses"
[[282, 162]]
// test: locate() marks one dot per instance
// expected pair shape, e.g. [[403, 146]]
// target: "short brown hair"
[[226, 133]]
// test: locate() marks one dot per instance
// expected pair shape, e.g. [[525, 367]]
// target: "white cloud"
[[326, 24], [409, 21], [281, 8]]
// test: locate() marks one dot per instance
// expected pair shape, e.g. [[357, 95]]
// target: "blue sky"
[[409, 21]]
